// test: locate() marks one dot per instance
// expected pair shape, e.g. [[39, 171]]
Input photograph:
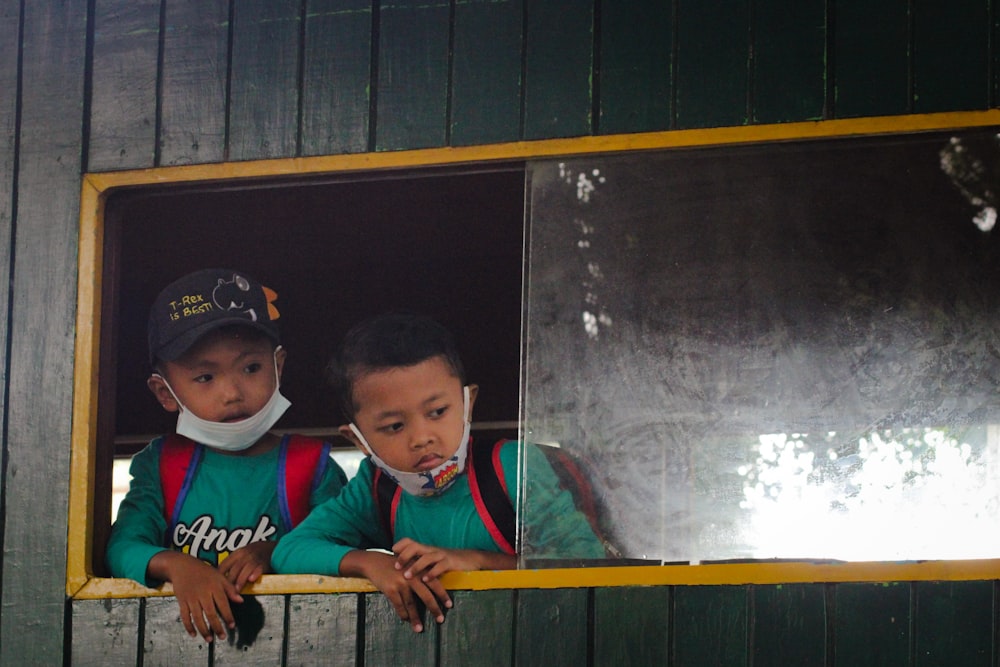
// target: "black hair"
[[391, 340]]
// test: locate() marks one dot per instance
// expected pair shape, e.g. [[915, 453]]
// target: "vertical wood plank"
[[558, 67], [710, 626], [105, 632], [872, 625], [10, 46], [387, 637], [264, 90], [954, 623], [631, 626], [123, 110], [194, 78], [486, 82], [478, 630], [789, 60], [870, 58], [951, 43], [412, 96], [336, 77], [789, 623], [635, 85], [165, 642], [712, 64], [259, 635], [42, 316], [551, 627], [322, 630]]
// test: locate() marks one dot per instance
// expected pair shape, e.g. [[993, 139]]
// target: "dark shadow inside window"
[[336, 249]]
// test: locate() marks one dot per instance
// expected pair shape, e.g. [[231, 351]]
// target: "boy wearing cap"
[[207, 504]]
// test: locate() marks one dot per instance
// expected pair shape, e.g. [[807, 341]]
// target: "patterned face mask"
[[427, 482]]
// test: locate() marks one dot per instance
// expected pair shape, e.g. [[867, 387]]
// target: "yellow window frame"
[[81, 583]]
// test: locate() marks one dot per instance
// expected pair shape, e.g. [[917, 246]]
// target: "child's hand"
[[380, 569], [414, 559], [203, 594], [428, 563], [247, 564]]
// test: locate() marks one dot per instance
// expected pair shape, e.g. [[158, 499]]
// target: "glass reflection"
[[781, 351]]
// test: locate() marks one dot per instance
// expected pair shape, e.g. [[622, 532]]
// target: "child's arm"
[[428, 563], [380, 569], [203, 593]]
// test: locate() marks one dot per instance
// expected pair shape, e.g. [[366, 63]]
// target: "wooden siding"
[[36, 455], [822, 625], [104, 85]]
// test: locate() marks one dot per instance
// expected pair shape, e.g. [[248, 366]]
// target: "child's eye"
[[437, 413], [202, 379], [252, 368], [394, 427]]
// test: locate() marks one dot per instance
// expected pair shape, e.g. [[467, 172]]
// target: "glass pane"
[[775, 351]]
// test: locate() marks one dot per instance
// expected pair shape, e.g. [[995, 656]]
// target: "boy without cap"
[[401, 383], [217, 362]]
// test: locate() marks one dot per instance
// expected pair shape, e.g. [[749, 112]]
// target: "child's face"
[[222, 378], [412, 416]]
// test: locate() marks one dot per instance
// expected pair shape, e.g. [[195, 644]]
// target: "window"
[[712, 321], [335, 250]]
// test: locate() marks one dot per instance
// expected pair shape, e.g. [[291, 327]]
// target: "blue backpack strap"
[[179, 458], [489, 492], [301, 463]]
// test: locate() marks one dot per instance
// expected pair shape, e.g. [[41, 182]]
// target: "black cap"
[[205, 300]]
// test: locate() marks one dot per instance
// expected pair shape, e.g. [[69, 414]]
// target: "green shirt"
[[232, 502], [448, 520]]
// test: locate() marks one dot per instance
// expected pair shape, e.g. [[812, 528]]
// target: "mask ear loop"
[[171, 390], [277, 375], [361, 438]]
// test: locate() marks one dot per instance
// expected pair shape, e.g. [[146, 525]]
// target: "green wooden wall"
[[920, 624], [99, 85]]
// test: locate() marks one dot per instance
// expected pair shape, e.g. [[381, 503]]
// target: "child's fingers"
[[406, 608], [436, 571], [189, 625], [424, 563], [232, 592], [249, 571], [208, 623], [440, 593], [433, 595], [405, 551]]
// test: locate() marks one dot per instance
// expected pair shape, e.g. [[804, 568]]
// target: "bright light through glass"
[[913, 493]]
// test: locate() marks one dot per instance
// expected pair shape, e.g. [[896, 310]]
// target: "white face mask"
[[231, 436], [428, 482]]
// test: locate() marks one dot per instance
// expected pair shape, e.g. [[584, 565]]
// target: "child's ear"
[[162, 393], [349, 433], [280, 354]]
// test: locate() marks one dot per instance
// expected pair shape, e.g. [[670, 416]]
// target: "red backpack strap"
[[386, 494], [489, 492], [179, 458], [301, 463]]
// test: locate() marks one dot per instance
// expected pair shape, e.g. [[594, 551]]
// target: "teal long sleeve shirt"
[[447, 520], [232, 501]]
